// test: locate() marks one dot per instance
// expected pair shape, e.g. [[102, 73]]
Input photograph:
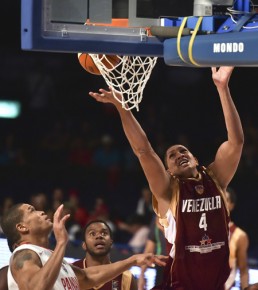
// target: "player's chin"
[[100, 253], [49, 223], [180, 172], [48, 228], [184, 172]]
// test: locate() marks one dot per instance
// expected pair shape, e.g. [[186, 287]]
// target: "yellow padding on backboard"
[[191, 42], [179, 35]]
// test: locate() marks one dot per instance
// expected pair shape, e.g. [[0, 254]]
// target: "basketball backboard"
[[122, 27], [59, 25]]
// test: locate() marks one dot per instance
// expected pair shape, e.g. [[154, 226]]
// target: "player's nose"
[[99, 235]]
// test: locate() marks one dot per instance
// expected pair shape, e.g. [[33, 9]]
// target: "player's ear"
[[84, 246], [196, 160], [22, 228]]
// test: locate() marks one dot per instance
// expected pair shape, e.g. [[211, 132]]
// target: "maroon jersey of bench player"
[[121, 282]]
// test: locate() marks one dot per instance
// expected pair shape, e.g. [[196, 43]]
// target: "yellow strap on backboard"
[[179, 35], [191, 42]]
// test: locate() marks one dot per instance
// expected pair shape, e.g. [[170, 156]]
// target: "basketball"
[[86, 61]]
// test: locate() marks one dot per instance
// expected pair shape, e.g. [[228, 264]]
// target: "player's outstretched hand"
[[221, 75], [148, 259], [59, 229], [104, 96]]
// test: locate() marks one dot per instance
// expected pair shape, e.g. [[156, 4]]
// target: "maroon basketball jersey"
[[79, 263], [201, 243], [114, 284]]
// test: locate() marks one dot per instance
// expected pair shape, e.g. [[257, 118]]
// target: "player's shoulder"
[[240, 235], [240, 232], [24, 255], [129, 282], [127, 273]]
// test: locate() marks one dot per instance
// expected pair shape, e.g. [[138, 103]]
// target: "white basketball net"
[[128, 77]]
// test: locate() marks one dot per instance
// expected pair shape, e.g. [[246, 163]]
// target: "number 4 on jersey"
[[203, 222]]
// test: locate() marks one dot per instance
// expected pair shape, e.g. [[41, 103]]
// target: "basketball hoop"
[[128, 77]]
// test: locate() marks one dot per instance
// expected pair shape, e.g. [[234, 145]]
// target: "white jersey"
[[65, 280]]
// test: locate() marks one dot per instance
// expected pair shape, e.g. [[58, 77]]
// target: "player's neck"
[[40, 241], [21, 243]]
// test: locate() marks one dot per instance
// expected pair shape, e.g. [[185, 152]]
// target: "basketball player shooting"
[[189, 198]]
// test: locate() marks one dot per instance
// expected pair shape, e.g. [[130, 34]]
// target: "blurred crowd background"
[[66, 148]]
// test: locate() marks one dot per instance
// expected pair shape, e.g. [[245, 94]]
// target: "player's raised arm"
[[155, 172], [229, 153]]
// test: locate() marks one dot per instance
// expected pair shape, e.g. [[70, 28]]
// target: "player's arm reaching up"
[[229, 152], [159, 179], [155, 172]]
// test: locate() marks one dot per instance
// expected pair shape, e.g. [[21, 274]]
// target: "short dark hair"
[[96, 222], [232, 195], [8, 224]]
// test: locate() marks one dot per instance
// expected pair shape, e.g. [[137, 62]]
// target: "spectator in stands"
[[144, 205], [72, 226], [107, 157], [58, 197], [139, 230], [81, 214], [79, 152], [9, 151], [101, 212]]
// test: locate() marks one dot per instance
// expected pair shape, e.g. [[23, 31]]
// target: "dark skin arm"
[[95, 275]]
